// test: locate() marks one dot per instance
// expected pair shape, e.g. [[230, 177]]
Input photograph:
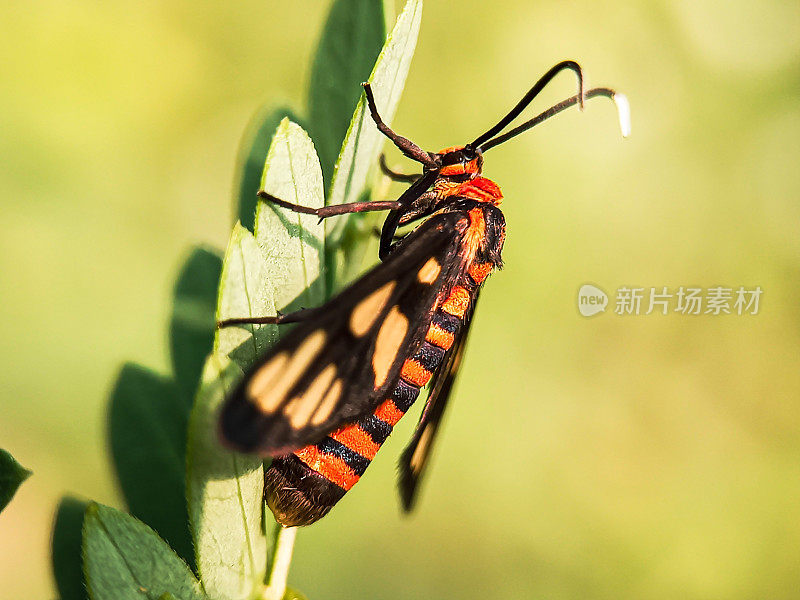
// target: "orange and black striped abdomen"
[[302, 487]]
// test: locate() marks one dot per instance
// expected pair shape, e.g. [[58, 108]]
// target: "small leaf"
[[12, 474], [66, 549], [293, 243], [350, 43], [192, 326], [363, 141], [250, 162], [147, 427], [280, 267], [244, 291], [125, 559], [225, 492]]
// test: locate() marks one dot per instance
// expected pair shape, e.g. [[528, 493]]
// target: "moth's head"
[[464, 162]]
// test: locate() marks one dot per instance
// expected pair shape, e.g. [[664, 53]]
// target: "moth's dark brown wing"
[[343, 360], [415, 457]]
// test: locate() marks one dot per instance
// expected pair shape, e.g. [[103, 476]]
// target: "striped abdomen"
[[302, 487]]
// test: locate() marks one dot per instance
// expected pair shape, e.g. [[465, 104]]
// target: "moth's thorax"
[[483, 241], [475, 235], [488, 228]]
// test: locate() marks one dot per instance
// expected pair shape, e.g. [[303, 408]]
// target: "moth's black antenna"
[[623, 114], [528, 98]]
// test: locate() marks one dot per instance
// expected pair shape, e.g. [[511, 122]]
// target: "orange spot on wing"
[[480, 271], [457, 303], [331, 467], [357, 440], [439, 337], [415, 373], [389, 413]]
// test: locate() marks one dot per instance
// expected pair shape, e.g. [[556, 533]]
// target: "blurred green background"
[[613, 457]]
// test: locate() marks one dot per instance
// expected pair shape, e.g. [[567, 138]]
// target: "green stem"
[[284, 544]]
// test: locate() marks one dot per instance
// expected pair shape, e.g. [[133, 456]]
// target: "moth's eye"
[[469, 154]]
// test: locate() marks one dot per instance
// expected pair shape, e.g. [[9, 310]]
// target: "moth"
[[327, 395]]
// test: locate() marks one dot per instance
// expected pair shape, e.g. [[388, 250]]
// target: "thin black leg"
[[406, 146], [292, 317], [394, 175], [406, 200], [334, 209]]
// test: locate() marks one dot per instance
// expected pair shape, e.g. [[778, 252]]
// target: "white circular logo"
[[591, 300]]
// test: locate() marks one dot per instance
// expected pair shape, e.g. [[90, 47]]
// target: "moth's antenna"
[[528, 98], [620, 100]]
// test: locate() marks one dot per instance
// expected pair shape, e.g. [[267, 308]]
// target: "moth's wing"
[[415, 457], [343, 360]]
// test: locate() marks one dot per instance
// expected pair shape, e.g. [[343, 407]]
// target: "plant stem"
[[284, 544]]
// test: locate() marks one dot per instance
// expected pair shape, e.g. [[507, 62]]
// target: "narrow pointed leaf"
[[66, 549], [250, 162], [12, 474], [225, 491], [351, 41], [192, 325], [125, 559], [147, 426], [363, 141]]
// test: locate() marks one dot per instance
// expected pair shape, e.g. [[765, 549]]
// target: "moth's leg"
[[394, 175], [292, 317], [334, 209], [406, 146]]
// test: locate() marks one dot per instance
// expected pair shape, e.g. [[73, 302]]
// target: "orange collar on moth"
[[456, 163], [478, 188]]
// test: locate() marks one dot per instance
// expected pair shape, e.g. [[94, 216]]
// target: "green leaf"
[[147, 426], [250, 162], [193, 309], [350, 43], [357, 242], [278, 268], [12, 474], [363, 141], [125, 559], [293, 243], [244, 292], [66, 549], [225, 492]]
